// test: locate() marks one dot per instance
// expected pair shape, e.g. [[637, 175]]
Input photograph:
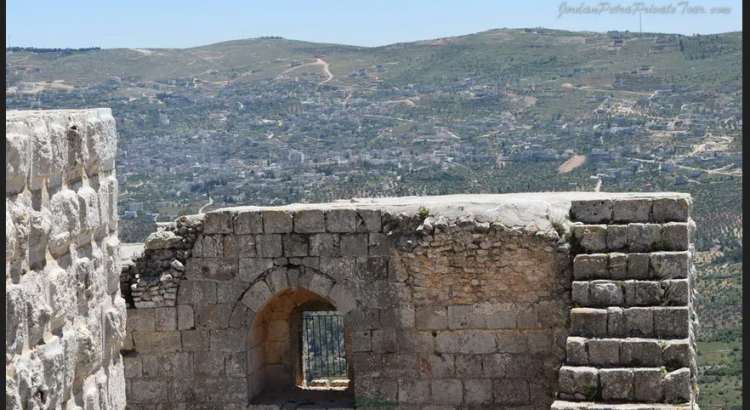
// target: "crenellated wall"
[[451, 302], [65, 318]]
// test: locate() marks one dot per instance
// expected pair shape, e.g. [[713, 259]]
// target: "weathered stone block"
[[165, 318], [476, 342], [367, 364], [616, 322], [257, 296], [238, 246], [502, 319], [251, 268], [321, 284], [648, 293], [295, 245], [617, 266], [465, 317], [196, 292], [211, 268], [593, 212], [588, 322], [213, 316], [617, 384], [268, 246], [603, 352], [247, 223], [277, 221], [593, 238], [671, 210], [648, 386], [368, 220], [218, 222], [511, 391], [581, 382], [341, 220], [447, 391], [309, 221], [676, 292], [644, 237], [677, 386], [384, 341], [432, 317], [575, 350], [527, 319], [228, 340], [325, 245], [671, 322], [342, 298], [354, 245], [631, 210], [640, 353], [676, 236], [141, 320], [379, 244], [185, 318], [158, 342], [638, 266], [178, 365], [590, 266], [669, 265], [639, 322], [606, 293], [413, 391]]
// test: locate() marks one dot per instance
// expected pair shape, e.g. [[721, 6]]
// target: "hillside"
[[273, 121]]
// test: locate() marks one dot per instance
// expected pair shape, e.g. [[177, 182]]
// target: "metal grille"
[[323, 345]]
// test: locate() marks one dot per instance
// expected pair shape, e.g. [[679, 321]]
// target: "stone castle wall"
[[65, 318], [456, 302]]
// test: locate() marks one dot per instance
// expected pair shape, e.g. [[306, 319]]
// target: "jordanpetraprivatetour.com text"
[[603, 7]]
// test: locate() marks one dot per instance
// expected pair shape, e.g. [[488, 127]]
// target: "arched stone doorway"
[[277, 339]]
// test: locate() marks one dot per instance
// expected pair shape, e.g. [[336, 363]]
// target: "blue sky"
[[170, 23]]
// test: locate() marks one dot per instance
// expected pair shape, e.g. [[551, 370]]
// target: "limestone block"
[[676, 292], [631, 210], [38, 311], [295, 245], [218, 222], [257, 296], [384, 341], [447, 391], [158, 342], [617, 384], [342, 298], [677, 386], [62, 296], [640, 353], [248, 222], [268, 246], [325, 245], [676, 354], [368, 220], [341, 220], [676, 236], [366, 364], [238, 246], [252, 268], [354, 245], [617, 265], [588, 322], [195, 341], [447, 342], [511, 391], [178, 365], [468, 366], [277, 280], [671, 322], [527, 319], [211, 268], [165, 318], [66, 225], [476, 342], [321, 285], [590, 266], [78, 153], [669, 265], [583, 382], [639, 322], [575, 350], [163, 240], [648, 385], [276, 221], [648, 293], [309, 221], [592, 212], [41, 153], [616, 322], [494, 365], [512, 342], [465, 317], [593, 238], [502, 319], [606, 293], [638, 266], [112, 194], [112, 263], [185, 318], [10, 234], [39, 232], [431, 317], [17, 157], [603, 352], [379, 244], [361, 341], [15, 318], [196, 292], [671, 210], [88, 206], [101, 140], [644, 237], [413, 391], [228, 340], [208, 246]]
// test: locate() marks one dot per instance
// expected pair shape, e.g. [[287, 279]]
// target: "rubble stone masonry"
[[527, 301], [65, 318]]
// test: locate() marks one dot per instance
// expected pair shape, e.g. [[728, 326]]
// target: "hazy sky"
[[185, 23]]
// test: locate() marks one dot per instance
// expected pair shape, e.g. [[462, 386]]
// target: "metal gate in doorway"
[[323, 348]]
